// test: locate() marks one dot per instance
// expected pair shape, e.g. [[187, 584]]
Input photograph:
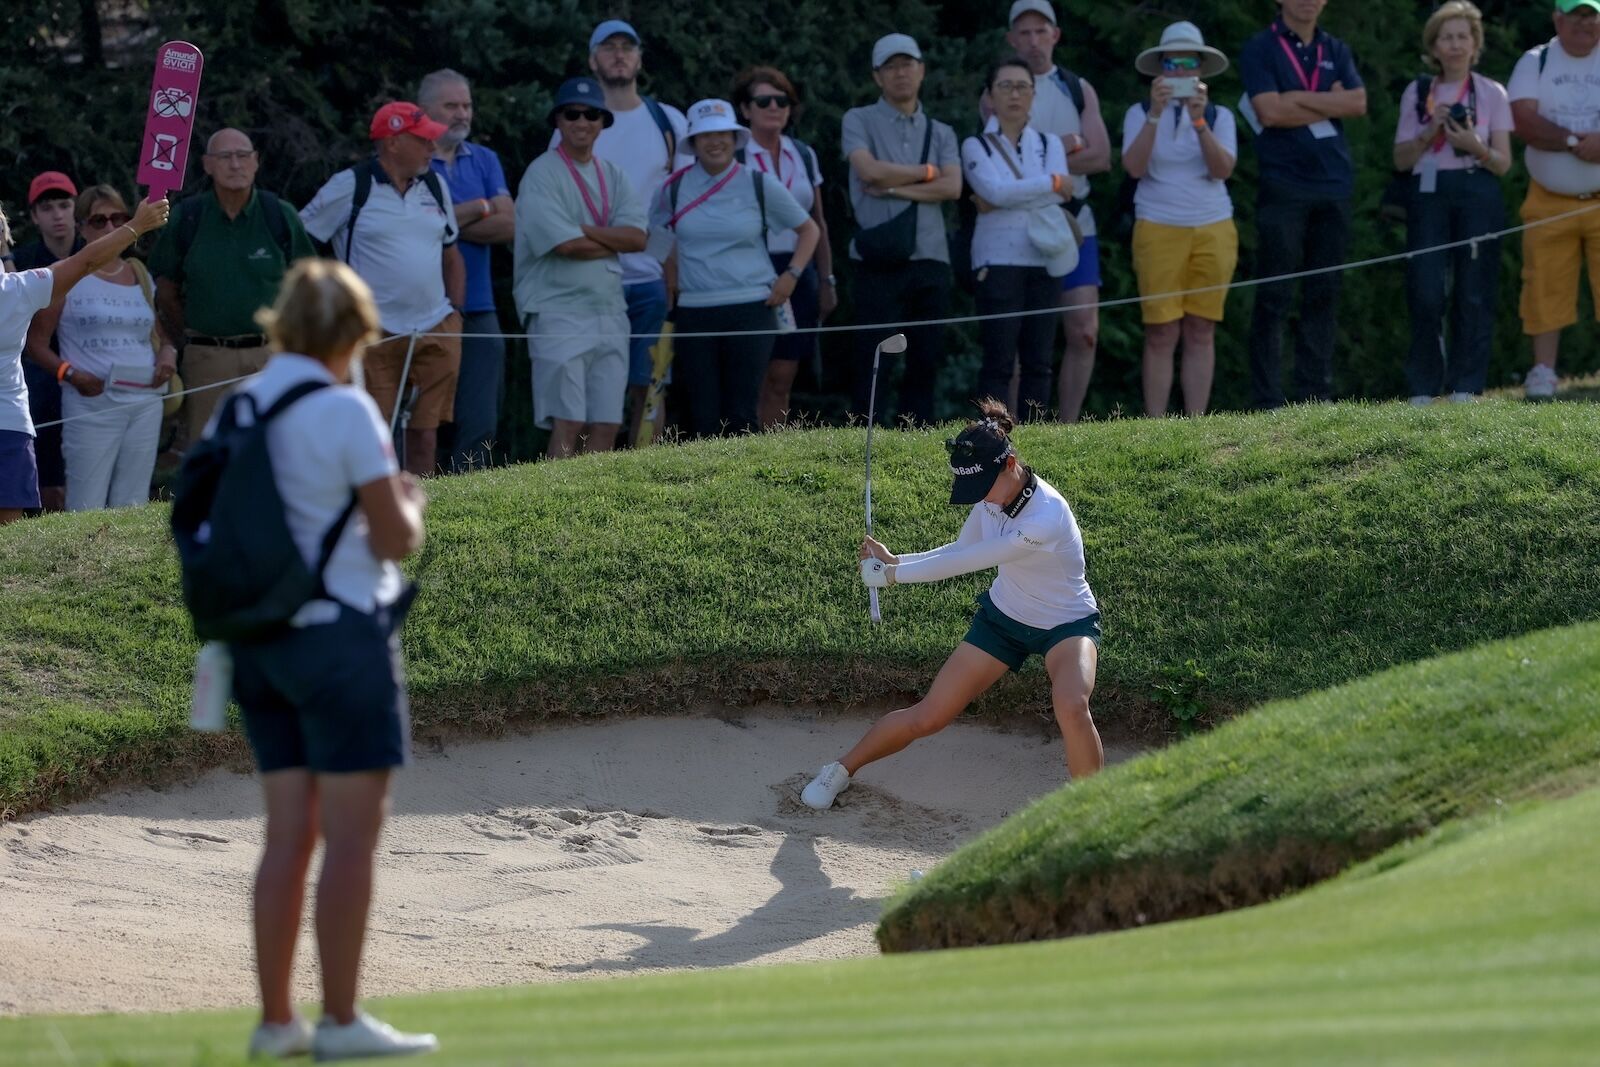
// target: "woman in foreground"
[[1039, 603]]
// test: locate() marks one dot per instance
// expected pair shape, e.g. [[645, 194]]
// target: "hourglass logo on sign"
[[174, 96]]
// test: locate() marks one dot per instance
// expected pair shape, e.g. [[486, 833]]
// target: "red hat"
[[50, 180], [403, 116]]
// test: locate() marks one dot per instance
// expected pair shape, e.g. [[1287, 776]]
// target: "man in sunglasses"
[[484, 212], [576, 216], [50, 208], [219, 262], [393, 221], [646, 139]]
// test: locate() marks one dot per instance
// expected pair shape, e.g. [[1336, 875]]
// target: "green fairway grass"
[[1274, 800], [1280, 553], [1477, 945]]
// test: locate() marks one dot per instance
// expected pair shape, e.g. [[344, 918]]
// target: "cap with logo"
[[1038, 7], [581, 92], [402, 116], [977, 458], [1185, 37], [611, 28], [894, 44], [716, 116], [51, 181]]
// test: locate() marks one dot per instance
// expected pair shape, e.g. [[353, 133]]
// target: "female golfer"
[[325, 703], [1039, 603]]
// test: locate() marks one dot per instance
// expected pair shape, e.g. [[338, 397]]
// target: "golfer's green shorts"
[[1012, 642]]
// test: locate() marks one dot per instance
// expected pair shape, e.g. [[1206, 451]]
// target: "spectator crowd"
[[670, 264]]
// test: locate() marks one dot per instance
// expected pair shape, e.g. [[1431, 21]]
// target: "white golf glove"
[[876, 574]]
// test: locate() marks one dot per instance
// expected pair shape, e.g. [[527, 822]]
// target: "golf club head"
[[894, 345]]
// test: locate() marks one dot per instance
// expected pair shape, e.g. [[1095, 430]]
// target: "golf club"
[[894, 345]]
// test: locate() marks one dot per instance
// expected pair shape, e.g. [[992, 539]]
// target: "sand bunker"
[[620, 846]]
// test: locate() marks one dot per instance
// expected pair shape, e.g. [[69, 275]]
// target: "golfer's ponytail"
[[995, 414]]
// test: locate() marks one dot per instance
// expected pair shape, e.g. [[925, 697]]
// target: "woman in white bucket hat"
[[719, 212], [1181, 148]]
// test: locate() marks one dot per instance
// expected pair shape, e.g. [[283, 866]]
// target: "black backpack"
[[1123, 217], [364, 177], [243, 576]]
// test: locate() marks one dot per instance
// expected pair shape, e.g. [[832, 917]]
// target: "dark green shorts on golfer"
[[1012, 642]]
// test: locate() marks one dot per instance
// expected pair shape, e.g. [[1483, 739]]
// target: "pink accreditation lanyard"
[[777, 164], [1294, 61], [604, 213], [672, 224]]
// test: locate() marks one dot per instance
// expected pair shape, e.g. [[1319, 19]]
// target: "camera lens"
[[1459, 114]]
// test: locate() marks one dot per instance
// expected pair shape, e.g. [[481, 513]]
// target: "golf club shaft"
[[872, 408]]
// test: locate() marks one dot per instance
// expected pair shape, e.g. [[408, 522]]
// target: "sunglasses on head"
[[767, 100], [117, 218], [1180, 63], [587, 114]]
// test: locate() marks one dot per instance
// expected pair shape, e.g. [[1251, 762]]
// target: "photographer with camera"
[[1454, 136], [1181, 149]]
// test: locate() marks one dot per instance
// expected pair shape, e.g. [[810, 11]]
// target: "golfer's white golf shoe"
[[829, 783], [365, 1038], [277, 1041]]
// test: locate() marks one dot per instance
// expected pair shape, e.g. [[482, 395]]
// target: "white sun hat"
[[1182, 37], [716, 116]]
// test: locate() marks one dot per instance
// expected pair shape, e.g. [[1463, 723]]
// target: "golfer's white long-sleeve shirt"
[[1035, 543]]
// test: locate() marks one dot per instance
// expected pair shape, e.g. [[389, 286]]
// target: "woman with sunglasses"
[[1019, 181], [116, 359], [719, 213], [1181, 149], [1040, 603], [23, 296], [768, 101]]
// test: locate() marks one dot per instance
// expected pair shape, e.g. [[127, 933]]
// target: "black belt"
[[253, 340]]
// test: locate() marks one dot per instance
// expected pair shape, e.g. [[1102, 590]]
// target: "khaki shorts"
[[204, 365], [580, 367], [1553, 257], [435, 365], [1171, 259]]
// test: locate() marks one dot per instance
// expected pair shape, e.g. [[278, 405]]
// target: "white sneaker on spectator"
[[829, 783], [366, 1037], [1421, 401], [1463, 398], [278, 1041], [1540, 384]]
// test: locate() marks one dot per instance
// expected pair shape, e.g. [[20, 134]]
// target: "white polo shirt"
[[789, 168], [23, 294], [397, 247], [1036, 545]]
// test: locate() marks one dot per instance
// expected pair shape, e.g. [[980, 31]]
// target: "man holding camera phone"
[[1300, 85]]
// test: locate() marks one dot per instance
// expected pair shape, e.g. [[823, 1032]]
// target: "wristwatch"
[[795, 272], [831, 280], [1573, 140]]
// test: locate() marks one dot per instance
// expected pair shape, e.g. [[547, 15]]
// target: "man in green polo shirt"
[[216, 264]]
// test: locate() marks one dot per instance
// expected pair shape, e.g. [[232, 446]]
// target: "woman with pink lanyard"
[[718, 213], [768, 101]]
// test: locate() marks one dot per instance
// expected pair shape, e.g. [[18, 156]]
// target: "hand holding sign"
[[174, 95]]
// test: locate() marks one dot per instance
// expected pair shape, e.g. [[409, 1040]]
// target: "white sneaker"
[[367, 1037], [1540, 384], [1463, 398], [1420, 401], [278, 1041], [829, 783]]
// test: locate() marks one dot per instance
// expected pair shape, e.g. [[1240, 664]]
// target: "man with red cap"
[[50, 207], [392, 220]]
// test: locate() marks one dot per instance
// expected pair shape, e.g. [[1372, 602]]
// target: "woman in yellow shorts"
[[1181, 148]]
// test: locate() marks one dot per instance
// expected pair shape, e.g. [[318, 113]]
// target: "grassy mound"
[[1274, 800], [1280, 554], [1479, 945]]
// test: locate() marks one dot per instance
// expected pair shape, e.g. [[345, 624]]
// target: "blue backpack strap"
[[664, 124], [761, 199]]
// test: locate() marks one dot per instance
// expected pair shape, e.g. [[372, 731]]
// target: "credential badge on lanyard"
[[603, 214]]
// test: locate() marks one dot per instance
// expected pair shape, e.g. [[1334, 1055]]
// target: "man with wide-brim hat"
[[576, 216], [1181, 148]]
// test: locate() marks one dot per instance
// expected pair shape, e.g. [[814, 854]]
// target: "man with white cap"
[[903, 165], [1301, 84], [1068, 106], [646, 139]]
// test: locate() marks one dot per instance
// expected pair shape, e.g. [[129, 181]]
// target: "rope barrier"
[[1247, 283]]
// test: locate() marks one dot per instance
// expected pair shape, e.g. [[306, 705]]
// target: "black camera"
[[1460, 114]]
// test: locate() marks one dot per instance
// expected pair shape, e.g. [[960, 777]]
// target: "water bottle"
[[785, 315], [213, 685]]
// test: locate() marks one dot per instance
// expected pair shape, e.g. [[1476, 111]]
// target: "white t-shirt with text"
[[105, 328], [1568, 92]]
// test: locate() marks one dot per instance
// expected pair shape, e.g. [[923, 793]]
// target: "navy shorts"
[[1012, 642], [328, 698], [1087, 272], [19, 474]]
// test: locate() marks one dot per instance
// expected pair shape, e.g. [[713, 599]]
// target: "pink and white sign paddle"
[[174, 98]]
